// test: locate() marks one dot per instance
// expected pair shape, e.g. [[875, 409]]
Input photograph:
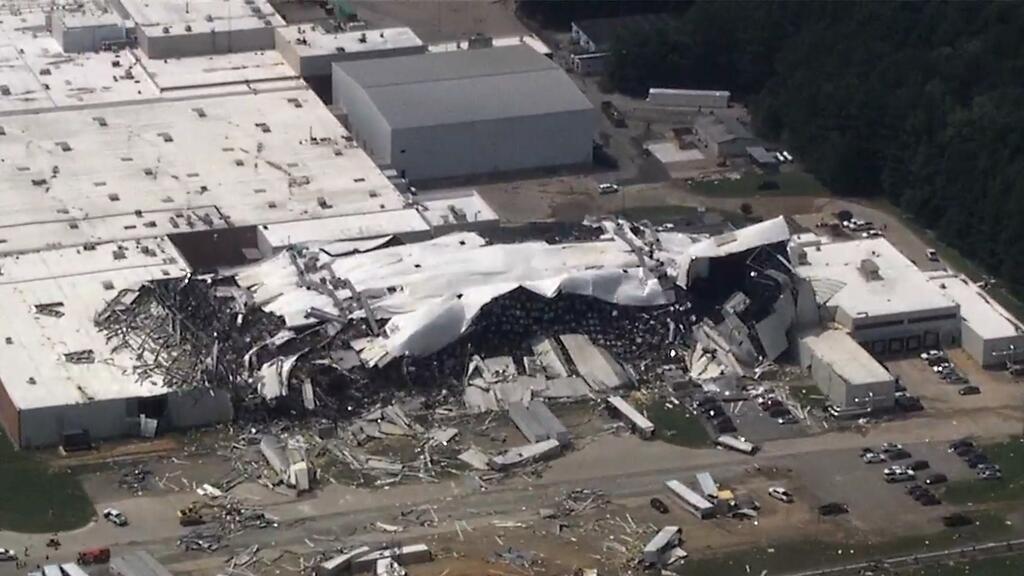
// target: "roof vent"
[[869, 270]]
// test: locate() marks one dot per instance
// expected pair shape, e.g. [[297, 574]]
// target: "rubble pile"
[[222, 518]]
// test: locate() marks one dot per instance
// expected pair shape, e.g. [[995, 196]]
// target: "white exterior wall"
[[507, 144], [365, 123], [179, 44], [320, 64], [907, 333], [880, 394], [993, 352], [670, 97]]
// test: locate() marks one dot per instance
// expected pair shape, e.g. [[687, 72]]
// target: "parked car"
[[964, 451], [909, 404], [932, 355], [905, 476], [976, 459], [7, 555], [115, 517], [935, 479], [961, 443], [990, 475], [922, 494], [917, 465], [608, 188], [969, 391], [872, 458], [929, 500], [891, 447], [780, 494], [893, 470], [957, 520], [659, 505], [833, 509], [897, 455], [989, 466], [914, 489], [932, 255]]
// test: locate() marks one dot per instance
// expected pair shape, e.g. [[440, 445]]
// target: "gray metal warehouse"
[[450, 114]]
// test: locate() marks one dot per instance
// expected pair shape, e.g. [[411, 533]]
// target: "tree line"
[[917, 102]]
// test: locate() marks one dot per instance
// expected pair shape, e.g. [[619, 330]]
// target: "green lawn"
[[1003, 566], [795, 183], [1010, 457], [677, 426], [37, 498], [810, 554]]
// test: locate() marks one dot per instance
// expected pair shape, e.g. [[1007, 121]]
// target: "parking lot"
[[999, 390]]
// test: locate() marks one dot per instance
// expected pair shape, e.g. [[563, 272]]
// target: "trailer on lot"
[[643, 427], [692, 501], [667, 538], [707, 484], [734, 443]]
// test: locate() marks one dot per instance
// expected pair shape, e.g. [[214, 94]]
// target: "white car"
[[7, 555], [895, 470], [905, 476], [891, 447], [932, 355], [608, 188], [787, 156], [932, 254], [872, 458], [115, 517], [780, 494]]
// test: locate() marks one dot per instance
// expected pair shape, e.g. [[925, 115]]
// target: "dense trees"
[[920, 102]]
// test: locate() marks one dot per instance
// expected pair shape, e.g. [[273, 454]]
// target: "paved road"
[[624, 467]]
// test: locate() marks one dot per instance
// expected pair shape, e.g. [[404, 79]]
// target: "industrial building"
[[463, 113], [880, 297], [722, 136], [200, 27], [593, 39], [311, 49], [58, 374], [988, 332], [701, 99], [851, 378]]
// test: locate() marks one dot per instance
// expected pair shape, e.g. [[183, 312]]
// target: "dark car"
[[909, 404], [964, 451], [961, 444], [899, 454], [914, 489], [780, 412], [923, 494], [929, 500], [659, 505], [935, 479], [957, 520], [976, 459], [724, 425], [919, 465], [969, 391], [833, 509]]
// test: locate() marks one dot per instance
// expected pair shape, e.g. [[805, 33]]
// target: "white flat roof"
[[983, 314], [903, 287], [203, 72], [448, 209], [847, 358], [527, 39], [32, 365], [248, 159], [30, 58], [310, 40], [199, 12], [356, 227]]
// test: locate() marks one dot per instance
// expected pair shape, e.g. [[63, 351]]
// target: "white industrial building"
[[200, 27], [310, 49], [58, 374], [467, 112], [680, 98], [988, 332], [851, 378], [873, 291], [87, 30]]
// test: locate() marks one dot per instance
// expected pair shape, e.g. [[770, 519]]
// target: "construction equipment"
[[192, 515]]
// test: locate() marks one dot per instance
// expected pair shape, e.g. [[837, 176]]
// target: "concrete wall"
[[904, 334], [179, 43], [508, 144], [994, 352], [42, 427], [198, 408], [85, 38], [880, 394], [9, 417], [365, 123]]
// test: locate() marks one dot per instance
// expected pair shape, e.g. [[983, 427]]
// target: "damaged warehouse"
[[459, 322]]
